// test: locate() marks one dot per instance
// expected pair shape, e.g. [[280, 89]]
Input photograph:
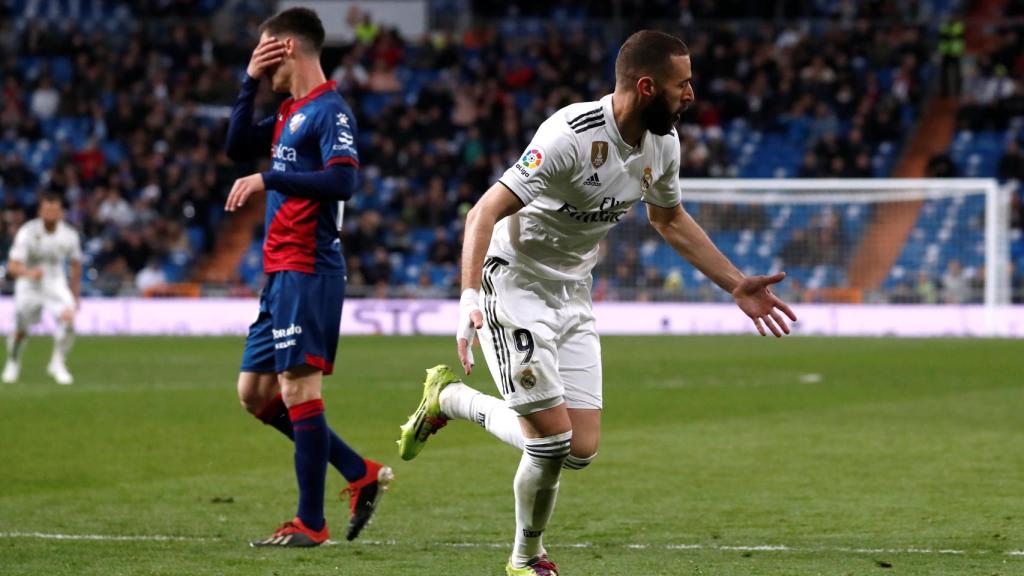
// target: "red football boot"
[[364, 495], [294, 534]]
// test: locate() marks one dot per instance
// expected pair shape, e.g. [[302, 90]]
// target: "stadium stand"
[[811, 89], [989, 136]]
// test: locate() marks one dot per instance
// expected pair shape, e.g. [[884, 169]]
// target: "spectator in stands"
[[940, 166], [113, 209], [809, 168], [11, 218], [927, 291], [443, 252], [30, 129], [365, 236], [350, 74], [45, 99], [90, 161], [883, 125], [651, 284], [955, 284], [151, 276], [1011, 165], [356, 281], [435, 209], [362, 24], [133, 249], [989, 91], [426, 288], [378, 272], [976, 286], [798, 251], [14, 174], [382, 78], [861, 167], [951, 49], [399, 241], [824, 122], [695, 163], [114, 277], [903, 293], [830, 243]]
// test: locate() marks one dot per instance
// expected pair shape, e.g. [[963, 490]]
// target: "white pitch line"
[[103, 537], [497, 545]]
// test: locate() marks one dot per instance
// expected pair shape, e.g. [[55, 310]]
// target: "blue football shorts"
[[298, 323]]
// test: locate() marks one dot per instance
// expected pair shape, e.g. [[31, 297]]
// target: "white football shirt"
[[577, 179], [35, 247]]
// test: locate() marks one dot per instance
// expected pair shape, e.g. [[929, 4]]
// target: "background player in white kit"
[[531, 243], [42, 248]]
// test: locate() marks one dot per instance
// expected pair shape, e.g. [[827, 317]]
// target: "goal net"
[[876, 241]]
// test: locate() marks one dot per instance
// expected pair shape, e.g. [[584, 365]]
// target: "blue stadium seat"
[[196, 237]]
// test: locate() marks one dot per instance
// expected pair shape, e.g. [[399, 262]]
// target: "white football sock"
[[536, 488], [577, 463], [63, 339], [464, 403]]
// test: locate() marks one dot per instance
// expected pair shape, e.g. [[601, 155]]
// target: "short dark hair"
[[51, 197], [301, 22], [647, 53]]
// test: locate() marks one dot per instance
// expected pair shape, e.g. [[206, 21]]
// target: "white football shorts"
[[540, 340], [30, 303]]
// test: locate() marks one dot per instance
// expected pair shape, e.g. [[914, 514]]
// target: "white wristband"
[[468, 302], [470, 297]]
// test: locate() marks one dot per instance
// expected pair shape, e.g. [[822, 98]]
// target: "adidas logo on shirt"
[[593, 180]]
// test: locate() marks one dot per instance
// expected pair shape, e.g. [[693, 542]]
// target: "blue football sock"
[[341, 456], [312, 444], [345, 459]]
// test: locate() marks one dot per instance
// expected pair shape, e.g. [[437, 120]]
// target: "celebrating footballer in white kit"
[[42, 248], [530, 245]]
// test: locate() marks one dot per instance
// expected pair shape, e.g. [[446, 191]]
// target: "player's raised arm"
[[498, 202], [752, 293], [245, 140]]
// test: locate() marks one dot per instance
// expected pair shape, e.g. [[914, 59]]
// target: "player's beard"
[[658, 115]]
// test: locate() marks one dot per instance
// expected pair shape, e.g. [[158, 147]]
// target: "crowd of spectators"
[[440, 117], [991, 109], [841, 88], [116, 124]]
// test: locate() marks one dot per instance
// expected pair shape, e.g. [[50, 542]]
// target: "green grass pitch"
[[719, 456]]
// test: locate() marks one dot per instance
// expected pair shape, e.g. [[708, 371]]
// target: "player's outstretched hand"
[[470, 320], [756, 299], [268, 53], [242, 190]]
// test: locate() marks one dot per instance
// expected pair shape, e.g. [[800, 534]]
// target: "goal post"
[[875, 241]]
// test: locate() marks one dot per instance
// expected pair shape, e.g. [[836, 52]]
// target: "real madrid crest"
[[648, 179], [598, 153], [527, 379]]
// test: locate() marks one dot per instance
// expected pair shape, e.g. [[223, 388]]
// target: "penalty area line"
[[500, 545]]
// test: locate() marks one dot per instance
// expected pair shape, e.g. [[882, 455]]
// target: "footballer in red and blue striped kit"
[[292, 343]]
